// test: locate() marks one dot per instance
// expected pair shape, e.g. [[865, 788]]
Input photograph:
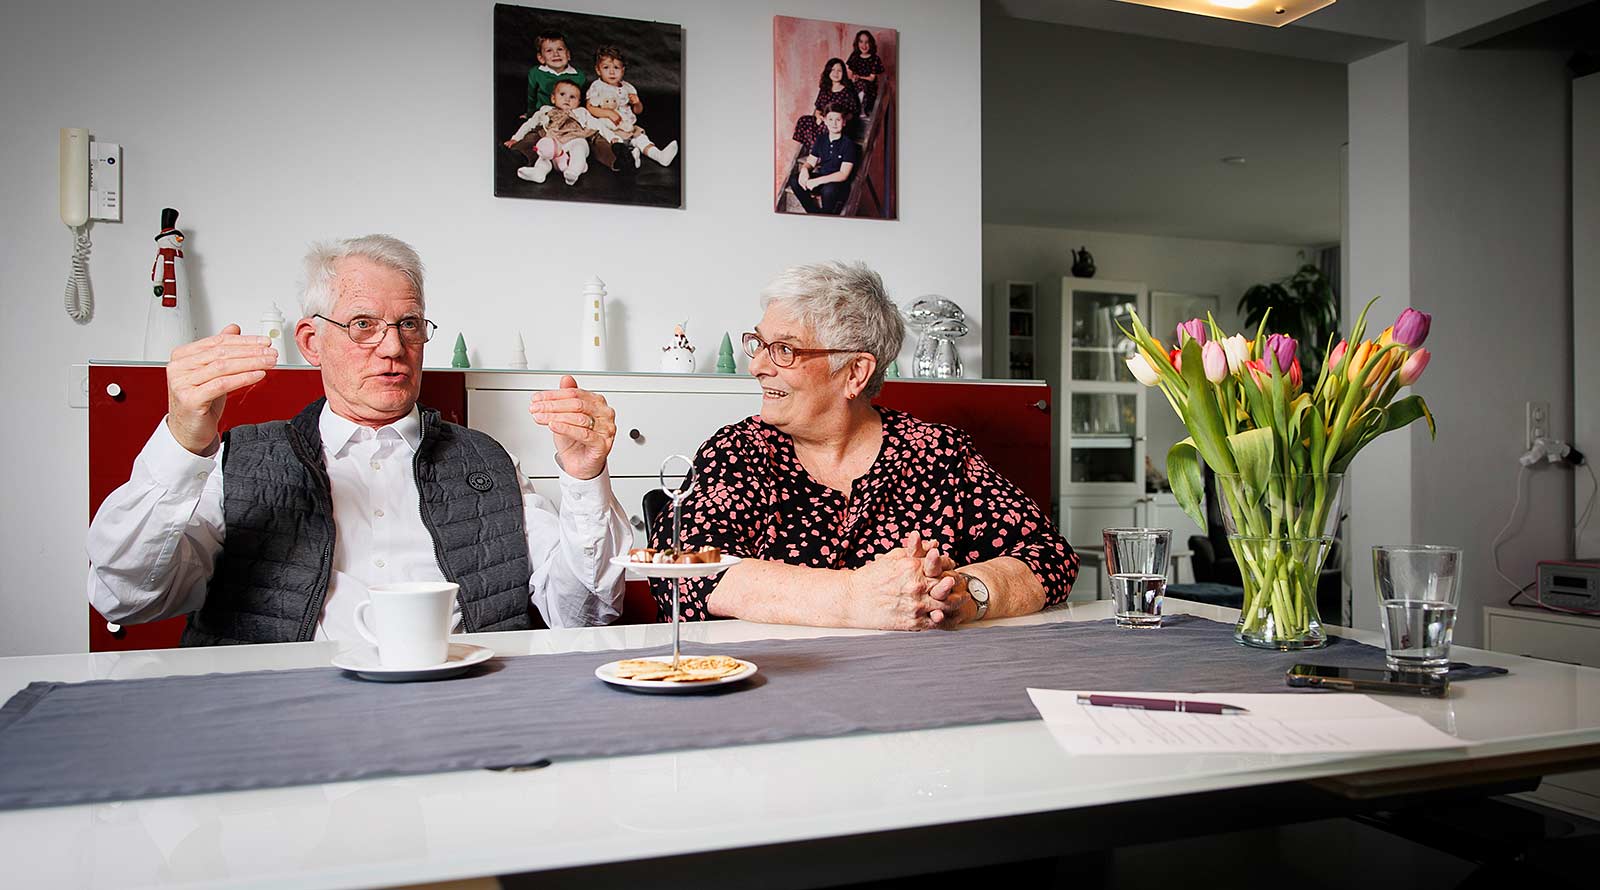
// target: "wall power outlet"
[[1538, 422]]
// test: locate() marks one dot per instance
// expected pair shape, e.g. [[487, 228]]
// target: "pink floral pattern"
[[753, 499]]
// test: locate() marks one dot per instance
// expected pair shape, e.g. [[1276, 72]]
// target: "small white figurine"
[[592, 353], [519, 356], [168, 325], [677, 357]]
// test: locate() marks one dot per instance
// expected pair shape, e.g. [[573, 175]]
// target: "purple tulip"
[[1195, 329], [1411, 328], [1282, 347]]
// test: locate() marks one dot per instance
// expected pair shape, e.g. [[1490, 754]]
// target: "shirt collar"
[[548, 70], [338, 431]]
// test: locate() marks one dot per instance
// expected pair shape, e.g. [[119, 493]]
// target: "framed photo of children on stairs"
[[835, 132], [587, 108]]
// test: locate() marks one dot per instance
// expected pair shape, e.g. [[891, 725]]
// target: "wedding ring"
[[591, 421]]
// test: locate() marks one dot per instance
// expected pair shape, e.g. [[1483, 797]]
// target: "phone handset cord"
[[79, 299]]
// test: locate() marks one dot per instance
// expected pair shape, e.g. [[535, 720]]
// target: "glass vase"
[[1280, 529]]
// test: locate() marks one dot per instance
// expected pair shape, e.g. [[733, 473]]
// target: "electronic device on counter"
[[1349, 679], [1570, 585]]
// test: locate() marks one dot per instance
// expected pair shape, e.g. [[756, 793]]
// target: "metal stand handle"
[[677, 496]]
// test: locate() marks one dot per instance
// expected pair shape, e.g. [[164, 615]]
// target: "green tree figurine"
[[725, 363], [459, 359]]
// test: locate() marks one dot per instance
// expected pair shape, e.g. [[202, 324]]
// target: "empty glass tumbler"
[[1136, 564], [1419, 593]]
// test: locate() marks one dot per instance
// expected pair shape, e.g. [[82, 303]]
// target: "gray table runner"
[[70, 743]]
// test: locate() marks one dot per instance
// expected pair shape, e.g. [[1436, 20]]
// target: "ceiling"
[[1090, 129]]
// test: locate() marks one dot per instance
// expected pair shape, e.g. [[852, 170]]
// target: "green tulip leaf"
[[1204, 419], [1253, 451], [1405, 412], [1187, 481]]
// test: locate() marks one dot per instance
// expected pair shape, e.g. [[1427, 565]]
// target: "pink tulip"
[[1142, 372], [1411, 328], [1337, 353], [1414, 366], [1282, 347], [1195, 329], [1215, 360]]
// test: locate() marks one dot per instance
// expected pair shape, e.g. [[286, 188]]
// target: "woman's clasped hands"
[[908, 588]]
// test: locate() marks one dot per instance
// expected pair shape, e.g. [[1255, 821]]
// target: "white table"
[[787, 812]]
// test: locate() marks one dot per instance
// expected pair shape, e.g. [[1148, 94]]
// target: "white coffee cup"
[[410, 622]]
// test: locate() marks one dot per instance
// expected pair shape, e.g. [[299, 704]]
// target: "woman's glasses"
[[368, 330], [782, 354]]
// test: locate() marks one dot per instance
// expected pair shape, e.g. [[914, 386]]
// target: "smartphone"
[[1348, 679]]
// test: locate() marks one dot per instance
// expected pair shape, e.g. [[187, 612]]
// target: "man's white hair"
[[317, 291], [846, 307]]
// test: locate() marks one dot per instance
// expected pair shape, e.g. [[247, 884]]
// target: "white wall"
[[1187, 265], [1462, 212], [1378, 247], [272, 124], [1491, 185], [1586, 293]]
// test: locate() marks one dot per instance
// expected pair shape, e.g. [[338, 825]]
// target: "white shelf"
[[1078, 441]]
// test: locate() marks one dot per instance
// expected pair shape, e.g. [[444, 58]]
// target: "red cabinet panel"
[[119, 426]]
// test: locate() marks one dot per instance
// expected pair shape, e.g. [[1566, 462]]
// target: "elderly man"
[[273, 532]]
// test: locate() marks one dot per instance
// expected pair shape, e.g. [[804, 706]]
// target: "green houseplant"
[[1302, 306]]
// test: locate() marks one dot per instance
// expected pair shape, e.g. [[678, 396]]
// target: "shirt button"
[[377, 512], [378, 563], [376, 465], [201, 475], [588, 551]]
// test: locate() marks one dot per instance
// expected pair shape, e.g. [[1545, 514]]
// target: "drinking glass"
[[1419, 593], [1136, 561]]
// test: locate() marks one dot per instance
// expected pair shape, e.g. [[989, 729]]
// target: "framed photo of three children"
[[590, 108]]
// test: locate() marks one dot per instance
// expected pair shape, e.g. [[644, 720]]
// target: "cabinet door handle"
[[1042, 405], [635, 435], [114, 390]]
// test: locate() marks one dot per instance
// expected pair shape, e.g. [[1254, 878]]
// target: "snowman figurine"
[[677, 357], [168, 325]]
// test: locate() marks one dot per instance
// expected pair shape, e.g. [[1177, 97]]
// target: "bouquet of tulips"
[[1278, 449]]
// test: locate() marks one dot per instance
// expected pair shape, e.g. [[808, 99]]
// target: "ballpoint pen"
[[1160, 704]]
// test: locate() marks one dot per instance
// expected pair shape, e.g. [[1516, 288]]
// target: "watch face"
[[976, 589]]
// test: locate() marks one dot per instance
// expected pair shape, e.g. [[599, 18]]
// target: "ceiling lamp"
[[1273, 13]]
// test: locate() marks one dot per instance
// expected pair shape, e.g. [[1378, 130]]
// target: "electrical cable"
[[79, 298], [1583, 519], [1494, 549]]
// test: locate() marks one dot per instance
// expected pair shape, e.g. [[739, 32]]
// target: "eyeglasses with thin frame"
[[369, 330], [782, 354]]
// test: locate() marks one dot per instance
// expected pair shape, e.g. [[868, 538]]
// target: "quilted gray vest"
[[277, 555]]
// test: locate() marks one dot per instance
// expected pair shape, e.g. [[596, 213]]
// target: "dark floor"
[[1492, 844]]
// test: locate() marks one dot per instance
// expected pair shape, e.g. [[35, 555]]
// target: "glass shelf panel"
[[1099, 348], [1104, 431]]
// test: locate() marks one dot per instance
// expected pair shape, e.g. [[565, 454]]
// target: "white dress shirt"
[[155, 541]]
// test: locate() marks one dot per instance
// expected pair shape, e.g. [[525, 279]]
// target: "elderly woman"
[[847, 514]]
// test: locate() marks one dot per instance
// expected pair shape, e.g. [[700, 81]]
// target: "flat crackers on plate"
[[691, 668]]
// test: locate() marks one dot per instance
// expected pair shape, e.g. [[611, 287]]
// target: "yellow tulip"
[[1358, 359]]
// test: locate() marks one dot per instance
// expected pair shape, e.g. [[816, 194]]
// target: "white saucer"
[[608, 673], [363, 660], [676, 569]]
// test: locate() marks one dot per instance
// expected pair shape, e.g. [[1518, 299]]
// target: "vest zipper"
[[427, 521], [309, 621]]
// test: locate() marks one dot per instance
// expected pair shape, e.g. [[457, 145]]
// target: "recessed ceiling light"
[[1259, 12], [1236, 160]]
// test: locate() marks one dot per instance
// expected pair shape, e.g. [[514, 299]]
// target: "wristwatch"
[[979, 592]]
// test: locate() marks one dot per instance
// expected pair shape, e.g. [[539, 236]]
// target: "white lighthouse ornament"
[[592, 353], [167, 327]]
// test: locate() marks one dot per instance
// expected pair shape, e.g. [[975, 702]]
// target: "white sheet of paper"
[[1278, 723]]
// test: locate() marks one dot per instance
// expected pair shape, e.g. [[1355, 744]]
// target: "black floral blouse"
[[753, 499]]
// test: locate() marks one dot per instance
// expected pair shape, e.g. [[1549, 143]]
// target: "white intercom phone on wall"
[[90, 189], [75, 214]]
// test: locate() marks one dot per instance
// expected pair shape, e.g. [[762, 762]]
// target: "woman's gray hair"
[[846, 307], [317, 292]]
